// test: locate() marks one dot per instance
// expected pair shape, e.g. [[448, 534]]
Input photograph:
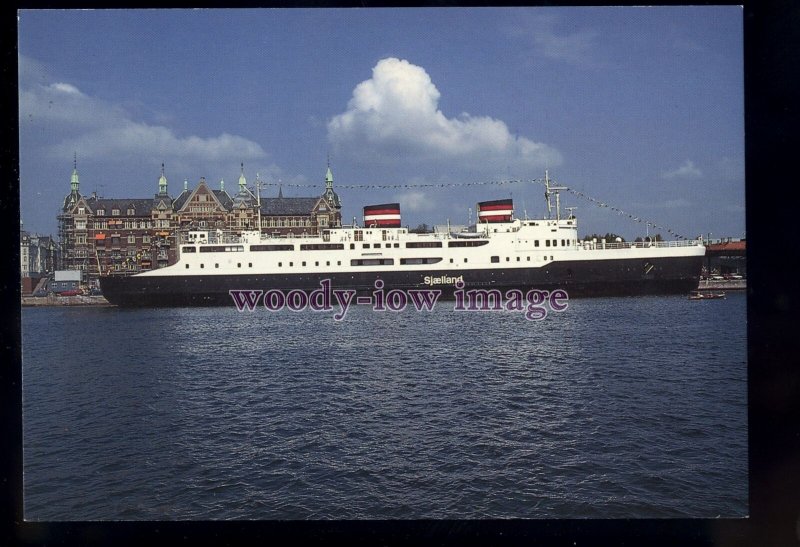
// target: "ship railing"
[[212, 236], [229, 237], [638, 244]]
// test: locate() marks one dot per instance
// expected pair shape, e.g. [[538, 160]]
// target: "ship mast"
[[555, 189], [258, 203]]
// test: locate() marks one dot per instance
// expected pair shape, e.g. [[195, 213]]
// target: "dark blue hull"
[[627, 277]]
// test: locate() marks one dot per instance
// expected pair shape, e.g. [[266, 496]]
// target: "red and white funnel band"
[[382, 216], [495, 211]]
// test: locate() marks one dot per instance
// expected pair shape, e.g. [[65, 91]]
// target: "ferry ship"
[[498, 252]]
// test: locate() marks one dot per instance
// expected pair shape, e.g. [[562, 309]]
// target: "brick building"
[[103, 235]]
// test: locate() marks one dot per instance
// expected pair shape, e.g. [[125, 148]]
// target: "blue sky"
[[641, 108]]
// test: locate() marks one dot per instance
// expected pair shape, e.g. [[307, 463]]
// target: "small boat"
[[706, 295], [465, 235], [71, 292]]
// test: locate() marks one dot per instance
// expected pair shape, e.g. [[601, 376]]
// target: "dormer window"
[[115, 212], [101, 212], [130, 212], [81, 210]]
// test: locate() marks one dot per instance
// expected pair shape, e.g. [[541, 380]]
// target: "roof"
[[288, 206], [333, 198], [158, 199], [178, 202], [141, 207], [70, 200], [243, 198], [224, 199]]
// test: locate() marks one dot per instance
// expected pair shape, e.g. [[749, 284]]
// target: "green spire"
[[74, 183], [242, 181], [162, 183], [329, 194]]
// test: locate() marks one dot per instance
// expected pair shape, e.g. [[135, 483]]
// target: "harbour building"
[[103, 235]]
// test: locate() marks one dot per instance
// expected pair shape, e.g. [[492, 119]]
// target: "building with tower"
[[282, 216], [127, 235]]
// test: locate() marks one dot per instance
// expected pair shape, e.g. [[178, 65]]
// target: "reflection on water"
[[618, 407]]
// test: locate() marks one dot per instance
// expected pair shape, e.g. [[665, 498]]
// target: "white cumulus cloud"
[[539, 31], [394, 117], [73, 121], [66, 88], [687, 170], [415, 201]]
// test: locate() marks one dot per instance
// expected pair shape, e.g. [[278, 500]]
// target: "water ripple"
[[617, 408]]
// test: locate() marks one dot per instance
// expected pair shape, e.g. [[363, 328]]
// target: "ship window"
[[372, 262], [222, 248], [555, 242], [563, 243], [377, 245], [321, 246], [517, 259], [202, 265], [190, 249], [280, 264], [352, 245], [366, 245], [272, 247], [451, 261], [238, 264], [327, 262], [529, 259], [291, 264], [420, 260], [536, 243], [495, 259], [467, 243], [316, 263], [304, 263], [547, 242], [187, 266], [465, 260], [216, 265], [423, 244], [338, 262], [507, 259], [249, 264]]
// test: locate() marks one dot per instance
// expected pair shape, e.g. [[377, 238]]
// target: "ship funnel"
[[386, 215], [495, 211]]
